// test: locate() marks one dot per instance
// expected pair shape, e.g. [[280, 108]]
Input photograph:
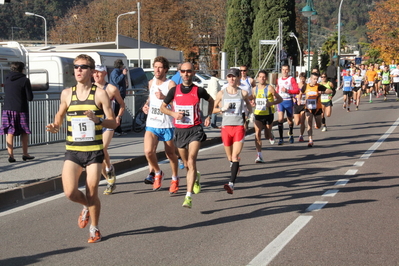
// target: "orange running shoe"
[[174, 187], [95, 236], [157, 181], [84, 218]]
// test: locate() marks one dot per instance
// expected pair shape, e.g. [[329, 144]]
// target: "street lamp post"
[[139, 32], [309, 12], [45, 25], [292, 35], [117, 26], [12, 32], [339, 46]]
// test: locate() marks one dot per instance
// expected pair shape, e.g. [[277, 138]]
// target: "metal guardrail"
[[44, 107]]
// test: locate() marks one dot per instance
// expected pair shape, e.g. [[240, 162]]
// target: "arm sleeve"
[[202, 93], [169, 97], [295, 88], [322, 88]]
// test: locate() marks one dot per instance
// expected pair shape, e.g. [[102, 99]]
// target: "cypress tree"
[[266, 28], [238, 32]]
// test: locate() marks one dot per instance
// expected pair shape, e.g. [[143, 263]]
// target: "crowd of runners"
[[174, 117]]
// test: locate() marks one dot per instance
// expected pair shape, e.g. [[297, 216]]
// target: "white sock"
[[158, 173], [231, 184], [174, 178], [371, 94], [93, 228], [188, 194], [108, 169], [260, 154]]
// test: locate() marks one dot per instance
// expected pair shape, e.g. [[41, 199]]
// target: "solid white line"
[[377, 144], [316, 206], [274, 248], [358, 163], [341, 182], [331, 193], [351, 172]]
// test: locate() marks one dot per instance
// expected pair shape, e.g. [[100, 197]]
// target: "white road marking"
[[341, 182], [377, 144], [358, 163], [351, 172], [316, 206], [274, 248], [330, 193]]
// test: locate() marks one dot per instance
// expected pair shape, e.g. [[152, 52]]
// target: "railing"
[[43, 108]]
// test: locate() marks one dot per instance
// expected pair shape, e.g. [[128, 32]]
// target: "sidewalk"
[[22, 180]]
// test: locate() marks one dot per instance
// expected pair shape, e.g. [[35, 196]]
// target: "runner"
[[357, 81], [395, 80], [159, 127], [189, 132], [347, 91], [326, 101], [286, 88], [265, 98], [386, 81], [371, 78], [313, 104], [378, 84], [299, 107], [232, 101], [108, 169], [246, 84], [84, 106]]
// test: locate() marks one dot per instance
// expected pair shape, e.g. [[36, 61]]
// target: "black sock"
[[280, 129], [291, 130], [323, 121], [234, 171]]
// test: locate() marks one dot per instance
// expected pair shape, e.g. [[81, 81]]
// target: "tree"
[[384, 29], [315, 59], [238, 32], [266, 27], [330, 46]]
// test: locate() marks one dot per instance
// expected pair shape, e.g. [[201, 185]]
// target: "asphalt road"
[[333, 204]]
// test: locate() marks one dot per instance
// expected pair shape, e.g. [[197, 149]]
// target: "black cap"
[[233, 71]]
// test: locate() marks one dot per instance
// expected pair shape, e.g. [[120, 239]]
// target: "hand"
[[118, 120], [207, 121], [92, 116], [145, 108], [52, 128], [159, 94], [124, 71], [178, 115]]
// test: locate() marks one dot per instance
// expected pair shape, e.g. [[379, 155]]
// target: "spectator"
[[15, 115], [332, 73], [118, 79], [213, 89], [176, 77]]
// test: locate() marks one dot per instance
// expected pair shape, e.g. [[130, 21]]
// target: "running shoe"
[[181, 164], [348, 110], [150, 178], [95, 236], [272, 140], [324, 129], [372, 101], [197, 185], [84, 218], [109, 189], [357, 108], [385, 98], [310, 144], [187, 202], [280, 142], [300, 138], [174, 187], [110, 176], [344, 106], [157, 181], [229, 188], [259, 160], [291, 139], [397, 99]]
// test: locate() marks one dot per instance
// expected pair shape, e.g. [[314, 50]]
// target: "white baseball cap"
[[101, 68]]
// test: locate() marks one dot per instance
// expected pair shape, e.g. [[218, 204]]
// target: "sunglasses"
[[323, 76], [81, 66], [243, 70], [186, 70]]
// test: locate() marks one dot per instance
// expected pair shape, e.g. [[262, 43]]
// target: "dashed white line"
[[358, 163], [274, 248], [316, 206], [330, 193], [351, 172], [341, 182]]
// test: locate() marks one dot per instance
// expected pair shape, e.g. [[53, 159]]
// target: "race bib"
[[303, 99], [311, 104], [347, 84], [83, 129], [285, 95], [155, 113], [233, 107], [325, 97], [188, 116], [358, 83], [385, 78], [261, 104], [371, 83]]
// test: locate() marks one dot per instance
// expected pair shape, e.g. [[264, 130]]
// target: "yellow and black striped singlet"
[[76, 110]]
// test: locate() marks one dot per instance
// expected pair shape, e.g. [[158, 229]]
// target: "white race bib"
[[325, 97], [154, 113], [311, 104], [371, 83], [261, 104], [347, 84], [83, 129], [188, 116], [233, 107]]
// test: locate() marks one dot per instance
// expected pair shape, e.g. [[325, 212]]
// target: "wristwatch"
[[99, 122]]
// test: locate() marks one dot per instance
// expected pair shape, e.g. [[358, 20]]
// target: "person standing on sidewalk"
[[230, 102], [159, 127], [187, 119], [84, 105], [115, 97], [118, 79], [213, 89], [15, 114]]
